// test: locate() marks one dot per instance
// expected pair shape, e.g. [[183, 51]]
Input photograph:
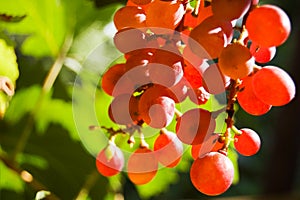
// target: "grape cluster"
[[175, 51]]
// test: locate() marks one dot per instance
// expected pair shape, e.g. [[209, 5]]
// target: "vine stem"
[[26, 177], [48, 83]]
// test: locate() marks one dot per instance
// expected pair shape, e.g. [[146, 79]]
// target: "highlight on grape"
[[181, 52]]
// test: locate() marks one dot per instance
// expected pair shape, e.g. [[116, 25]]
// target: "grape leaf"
[[49, 110]]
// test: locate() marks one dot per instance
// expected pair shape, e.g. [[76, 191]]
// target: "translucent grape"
[[212, 174], [273, 86], [262, 54], [168, 149], [248, 100], [210, 37], [122, 110], [268, 26], [210, 145], [248, 143], [156, 108], [115, 76], [110, 160], [166, 66], [193, 126], [236, 61], [142, 166], [124, 38], [129, 17], [170, 14]]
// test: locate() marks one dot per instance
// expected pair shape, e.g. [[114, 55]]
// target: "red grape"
[[273, 86], [122, 110], [142, 166], [193, 126], [268, 26], [262, 54], [168, 149], [124, 38], [248, 143], [110, 160], [156, 108], [212, 174], [114, 82], [210, 145], [164, 14], [209, 38], [230, 9], [166, 66], [130, 17], [248, 100]]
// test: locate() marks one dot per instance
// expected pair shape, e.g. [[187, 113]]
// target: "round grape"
[[212, 174]]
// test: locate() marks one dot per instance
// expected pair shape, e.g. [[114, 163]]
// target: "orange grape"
[[236, 61], [142, 166], [168, 149]]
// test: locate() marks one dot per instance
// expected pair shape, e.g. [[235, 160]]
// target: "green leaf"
[[8, 62], [46, 111]]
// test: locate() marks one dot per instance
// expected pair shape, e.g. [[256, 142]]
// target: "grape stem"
[[26, 176], [233, 90], [197, 7]]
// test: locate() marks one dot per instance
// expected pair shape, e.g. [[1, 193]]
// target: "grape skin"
[[212, 174], [273, 86], [248, 143]]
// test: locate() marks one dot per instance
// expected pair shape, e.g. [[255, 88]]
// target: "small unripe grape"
[[248, 143], [212, 174]]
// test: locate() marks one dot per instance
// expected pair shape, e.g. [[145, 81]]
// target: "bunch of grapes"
[[176, 51]]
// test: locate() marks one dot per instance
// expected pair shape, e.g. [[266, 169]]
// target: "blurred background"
[[40, 148]]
